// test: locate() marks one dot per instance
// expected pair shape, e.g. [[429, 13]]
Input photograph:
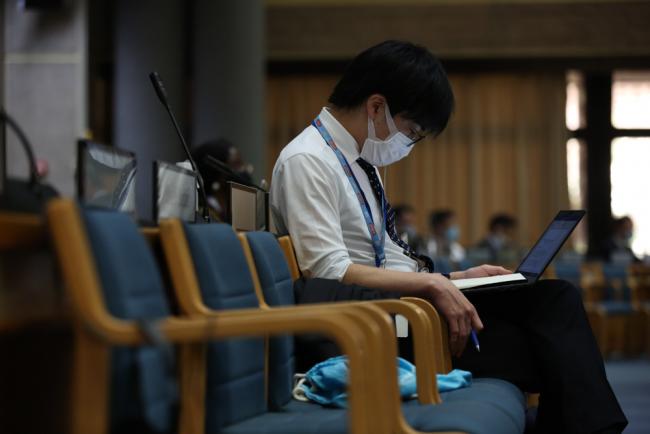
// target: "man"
[[499, 241], [443, 242], [326, 193], [617, 248], [405, 227], [215, 178]]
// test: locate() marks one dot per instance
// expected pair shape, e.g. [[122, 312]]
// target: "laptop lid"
[[106, 176], [545, 249], [174, 192], [248, 207]]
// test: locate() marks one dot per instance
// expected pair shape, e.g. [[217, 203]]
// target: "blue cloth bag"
[[326, 382]]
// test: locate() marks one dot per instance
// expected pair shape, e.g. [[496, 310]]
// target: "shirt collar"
[[344, 140]]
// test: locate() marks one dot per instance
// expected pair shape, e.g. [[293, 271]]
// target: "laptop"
[[533, 265], [106, 176], [248, 207], [174, 192]]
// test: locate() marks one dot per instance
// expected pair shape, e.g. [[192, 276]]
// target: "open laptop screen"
[[174, 192], [550, 242], [106, 176], [248, 208]]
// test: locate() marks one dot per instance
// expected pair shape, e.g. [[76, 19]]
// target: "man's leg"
[[538, 337]]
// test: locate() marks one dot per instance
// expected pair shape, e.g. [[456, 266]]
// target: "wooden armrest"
[[440, 342], [423, 343], [423, 336]]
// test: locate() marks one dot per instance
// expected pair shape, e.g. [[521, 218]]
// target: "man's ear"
[[375, 106]]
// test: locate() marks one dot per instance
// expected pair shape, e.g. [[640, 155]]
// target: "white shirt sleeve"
[[306, 195]]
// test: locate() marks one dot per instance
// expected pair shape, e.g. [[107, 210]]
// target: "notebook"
[[533, 265]]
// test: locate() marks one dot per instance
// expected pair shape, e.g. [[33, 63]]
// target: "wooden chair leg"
[[192, 378], [90, 388]]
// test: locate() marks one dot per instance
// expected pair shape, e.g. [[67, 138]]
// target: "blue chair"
[[117, 299], [143, 389], [617, 293], [276, 284]]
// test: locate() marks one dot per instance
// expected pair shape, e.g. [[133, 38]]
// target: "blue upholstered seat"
[[235, 368], [615, 307], [570, 271], [143, 388], [493, 405]]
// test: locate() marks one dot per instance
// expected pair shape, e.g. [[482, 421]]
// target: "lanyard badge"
[[378, 239]]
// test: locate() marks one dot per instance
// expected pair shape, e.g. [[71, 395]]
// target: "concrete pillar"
[[228, 76], [149, 35], [45, 86], [3, 166]]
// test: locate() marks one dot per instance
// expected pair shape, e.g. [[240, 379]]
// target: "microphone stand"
[[24, 142], [162, 96]]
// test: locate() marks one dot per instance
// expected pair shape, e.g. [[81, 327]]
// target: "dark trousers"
[[538, 338]]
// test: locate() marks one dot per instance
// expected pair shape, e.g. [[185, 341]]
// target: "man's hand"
[[480, 271], [460, 313]]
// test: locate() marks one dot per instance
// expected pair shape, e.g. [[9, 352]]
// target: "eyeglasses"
[[415, 136]]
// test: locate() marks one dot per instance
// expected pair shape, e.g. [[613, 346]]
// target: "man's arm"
[[453, 305]]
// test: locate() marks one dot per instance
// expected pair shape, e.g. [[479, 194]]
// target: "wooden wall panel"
[[461, 29]]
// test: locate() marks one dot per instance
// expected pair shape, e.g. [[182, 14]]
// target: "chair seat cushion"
[[471, 416], [499, 393], [295, 418]]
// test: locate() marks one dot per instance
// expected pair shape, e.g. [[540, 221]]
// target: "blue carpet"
[[630, 380]]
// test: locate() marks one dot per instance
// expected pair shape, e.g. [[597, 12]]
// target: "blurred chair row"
[[227, 307], [617, 299]]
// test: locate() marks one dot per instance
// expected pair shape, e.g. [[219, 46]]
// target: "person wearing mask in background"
[[405, 225], [499, 242], [443, 243], [617, 248], [327, 195], [216, 176]]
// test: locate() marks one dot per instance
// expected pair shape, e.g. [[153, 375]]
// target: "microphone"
[[18, 195], [22, 138], [158, 86], [222, 167]]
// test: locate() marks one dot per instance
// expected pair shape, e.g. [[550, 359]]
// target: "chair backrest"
[[290, 255], [616, 282], [277, 288], [235, 368], [143, 385], [569, 271]]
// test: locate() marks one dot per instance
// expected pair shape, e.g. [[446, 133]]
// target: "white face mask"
[[384, 152]]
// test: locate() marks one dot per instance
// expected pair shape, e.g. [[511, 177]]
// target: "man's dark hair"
[[440, 217], [410, 78], [502, 220]]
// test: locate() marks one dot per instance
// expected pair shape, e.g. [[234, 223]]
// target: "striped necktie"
[[426, 264]]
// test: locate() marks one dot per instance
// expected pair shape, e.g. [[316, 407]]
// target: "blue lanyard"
[[377, 241]]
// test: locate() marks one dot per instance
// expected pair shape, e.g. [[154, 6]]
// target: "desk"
[[35, 331]]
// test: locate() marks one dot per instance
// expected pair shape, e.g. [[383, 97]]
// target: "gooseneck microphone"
[[24, 142], [162, 96], [18, 195]]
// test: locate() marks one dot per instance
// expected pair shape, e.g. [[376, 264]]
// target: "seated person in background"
[[216, 178], [617, 248], [499, 242], [445, 233], [326, 193], [406, 228]]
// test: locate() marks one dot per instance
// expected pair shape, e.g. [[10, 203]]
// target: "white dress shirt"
[[313, 201]]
